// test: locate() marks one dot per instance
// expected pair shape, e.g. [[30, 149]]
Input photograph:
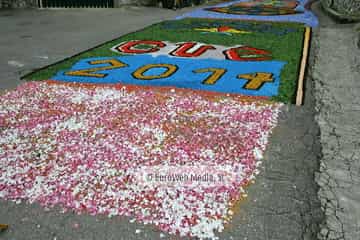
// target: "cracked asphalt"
[[338, 114], [283, 204]]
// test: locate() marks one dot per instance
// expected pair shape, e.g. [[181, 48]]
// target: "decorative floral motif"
[[259, 7]]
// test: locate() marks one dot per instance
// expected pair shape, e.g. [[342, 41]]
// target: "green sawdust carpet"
[[228, 56]]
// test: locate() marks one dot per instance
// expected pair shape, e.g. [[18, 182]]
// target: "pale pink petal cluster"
[[88, 149]]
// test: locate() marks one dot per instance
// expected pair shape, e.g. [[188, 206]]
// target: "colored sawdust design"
[[288, 4], [192, 50], [260, 7], [247, 78], [169, 41], [115, 150], [222, 30], [262, 10], [232, 27]]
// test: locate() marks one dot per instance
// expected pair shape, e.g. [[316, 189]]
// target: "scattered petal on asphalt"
[[15, 64]]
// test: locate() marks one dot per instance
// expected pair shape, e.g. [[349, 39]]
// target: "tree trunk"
[[343, 9]]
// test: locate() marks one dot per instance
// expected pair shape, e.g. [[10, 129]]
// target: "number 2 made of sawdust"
[[254, 80]]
